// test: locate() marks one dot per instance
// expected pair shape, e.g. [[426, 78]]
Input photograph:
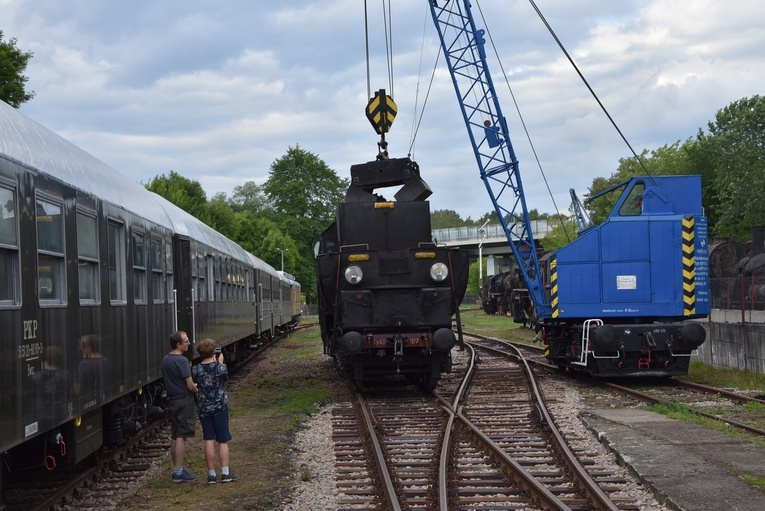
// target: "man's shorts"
[[215, 427], [183, 417]]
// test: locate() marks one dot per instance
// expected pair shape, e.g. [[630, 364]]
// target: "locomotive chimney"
[[758, 239]]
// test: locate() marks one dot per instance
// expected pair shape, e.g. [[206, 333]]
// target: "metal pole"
[[481, 236], [282, 250]]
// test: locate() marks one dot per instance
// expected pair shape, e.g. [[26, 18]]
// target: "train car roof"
[[286, 277], [188, 225], [34, 146], [262, 265]]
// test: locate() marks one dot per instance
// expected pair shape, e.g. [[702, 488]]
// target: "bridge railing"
[[492, 232]]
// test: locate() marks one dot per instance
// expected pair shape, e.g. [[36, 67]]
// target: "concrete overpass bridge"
[[495, 246]]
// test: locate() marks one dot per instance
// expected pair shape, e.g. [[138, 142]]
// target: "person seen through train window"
[[94, 371], [52, 387]]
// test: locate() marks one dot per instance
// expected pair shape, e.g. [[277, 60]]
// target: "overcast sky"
[[217, 90]]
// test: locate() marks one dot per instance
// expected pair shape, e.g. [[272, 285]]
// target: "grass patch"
[[477, 321], [754, 480], [303, 401], [279, 395], [725, 377], [685, 413]]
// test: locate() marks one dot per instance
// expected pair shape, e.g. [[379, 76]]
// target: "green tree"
[[303, 193], [491, 216], [248, 197], [183, 192], [445, 219], [734, 149], [13, 63], [221, 217], [477, 273], [561, 234]]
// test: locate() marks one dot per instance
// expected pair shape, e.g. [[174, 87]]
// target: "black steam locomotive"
[[387, 293], [95, 273]]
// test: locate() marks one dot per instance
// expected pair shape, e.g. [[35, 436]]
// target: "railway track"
[[742, 411], [97, 486], [483, 440], [735, 409]]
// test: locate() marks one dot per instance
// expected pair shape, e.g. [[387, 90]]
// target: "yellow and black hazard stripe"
[[689, 266], [554, 286]]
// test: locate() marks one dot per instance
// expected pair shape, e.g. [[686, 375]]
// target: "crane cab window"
[[633, 205], [51, 277], [87, 258], [9, 249]]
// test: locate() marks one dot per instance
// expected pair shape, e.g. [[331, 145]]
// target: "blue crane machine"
[[619, 300]]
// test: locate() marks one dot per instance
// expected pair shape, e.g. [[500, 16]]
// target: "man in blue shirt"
[[176, 372]]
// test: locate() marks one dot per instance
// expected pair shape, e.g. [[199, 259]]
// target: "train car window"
[[238, 283], [139, 267], [116, 261], [9, 249], [210, 278], [87, 262], [225, 277], [265, 293], [247, 286], [50, 253], [216, 275], [202, 294], [229, 282], [194, 276], [157, 269], [169, 272]]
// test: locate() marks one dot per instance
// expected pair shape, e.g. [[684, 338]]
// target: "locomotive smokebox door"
[[396, 228]]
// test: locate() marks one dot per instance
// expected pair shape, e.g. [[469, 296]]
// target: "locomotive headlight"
[[439, 272], [353, 274]]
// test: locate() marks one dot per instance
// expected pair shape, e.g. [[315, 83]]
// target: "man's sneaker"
[[227, 478], [212, 479], [183, 477]]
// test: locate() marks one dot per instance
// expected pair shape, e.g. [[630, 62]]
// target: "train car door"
[[184, 300]]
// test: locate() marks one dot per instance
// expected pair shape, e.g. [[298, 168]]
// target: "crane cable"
[[416, 125], [388, 34], [523, 123], [587, 84], [366, 40]]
